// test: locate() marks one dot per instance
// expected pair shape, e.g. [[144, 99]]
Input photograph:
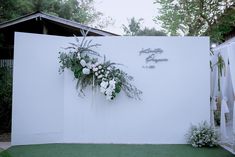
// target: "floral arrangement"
[[84, 62], [202, 135]]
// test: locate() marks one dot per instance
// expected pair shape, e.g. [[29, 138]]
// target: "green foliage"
[[82, 11], [224, 25], [190, 17], [82, 60], [220, 64], [221, 68], [4, 153], [202, 135], [6, 99], [134, 28]]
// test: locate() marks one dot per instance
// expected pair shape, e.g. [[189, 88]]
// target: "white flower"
[[112, 82], [79, 56], [107, 72], [95, 69], [89, 65], [102, 90], [86, 71], [108, 97], [93, 65], [111, 86], [100, 76], [96, 74], [102, 70], [83, 62], [83, 55], [104, 84], [109, 91], [100, 67]]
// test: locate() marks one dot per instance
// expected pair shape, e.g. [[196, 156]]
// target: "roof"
[[62, 21]]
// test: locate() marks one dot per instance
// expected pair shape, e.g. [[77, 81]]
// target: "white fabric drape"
[[214, 91], [227, 83], [224, 106], [231, 55]]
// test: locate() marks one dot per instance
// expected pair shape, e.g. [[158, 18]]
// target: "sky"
[[121, 10]]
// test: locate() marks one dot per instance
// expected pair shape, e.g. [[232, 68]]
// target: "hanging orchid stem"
[[221, 68], [83, 61]]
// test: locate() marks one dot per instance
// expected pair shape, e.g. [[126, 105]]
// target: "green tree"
[[82, 11], [135, 28], [190, 17], [223, 26], [5, 98]]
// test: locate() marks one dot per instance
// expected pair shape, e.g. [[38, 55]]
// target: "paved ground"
[[5, 145]]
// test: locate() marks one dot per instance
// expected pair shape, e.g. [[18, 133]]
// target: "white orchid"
[[100, 76], [102, 90], [95, 69], [93, 66], [109, 91], [83, 62], [104, 84], [112, 82], [108, 97], [79, 56], [86, 71], [88, 65]]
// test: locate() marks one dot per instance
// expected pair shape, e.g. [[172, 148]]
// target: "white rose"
[[86, 71], [96, 74], [100, 67], [83, 62]]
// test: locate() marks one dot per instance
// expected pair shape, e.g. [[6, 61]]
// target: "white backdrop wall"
[[47, 109]]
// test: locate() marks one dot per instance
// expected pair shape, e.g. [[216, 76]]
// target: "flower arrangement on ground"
[[84, 62], [202, 135]]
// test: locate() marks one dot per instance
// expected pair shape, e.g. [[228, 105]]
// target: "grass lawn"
[[112, 150]]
